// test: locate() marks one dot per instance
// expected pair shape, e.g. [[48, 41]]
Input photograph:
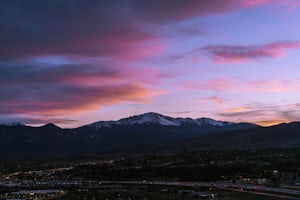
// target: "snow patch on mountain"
[[208, 121], [150, 118]]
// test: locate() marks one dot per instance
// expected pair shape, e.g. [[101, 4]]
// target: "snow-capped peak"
[[151, 118], [155, 118]]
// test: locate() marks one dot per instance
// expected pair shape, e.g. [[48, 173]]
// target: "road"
[[244, 188], [252, 189], [262, 193]]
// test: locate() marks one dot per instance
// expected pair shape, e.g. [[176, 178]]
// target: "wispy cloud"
[[224, 54], [242, 113], [263, 114], [236, 85], [218, 84], [214, 99], [280, 85]]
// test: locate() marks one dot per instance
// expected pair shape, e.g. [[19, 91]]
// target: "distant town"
[[255, 174]]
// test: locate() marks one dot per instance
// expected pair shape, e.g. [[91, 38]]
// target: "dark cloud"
[[67, 27], [166, 11], [16, 73], [94, 27], [162, 11]]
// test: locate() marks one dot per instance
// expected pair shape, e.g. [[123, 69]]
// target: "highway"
[[244, 188], [262, 193]]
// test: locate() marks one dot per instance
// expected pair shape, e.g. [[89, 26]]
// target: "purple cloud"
[[237, 53]]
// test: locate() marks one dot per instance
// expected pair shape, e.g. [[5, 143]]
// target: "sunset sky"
[[74, 62]]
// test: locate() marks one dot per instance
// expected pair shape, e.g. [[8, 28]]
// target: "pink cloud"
[[234, 85], [238, 53], [274, 85], [239, 109], [268, 114], [267, 117], [68, 89], [214, 99], [220, 84], [71, 100]]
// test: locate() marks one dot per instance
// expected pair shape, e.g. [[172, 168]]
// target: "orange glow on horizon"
[[271, 122]]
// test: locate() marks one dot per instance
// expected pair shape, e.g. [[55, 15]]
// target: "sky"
[[74, 62]]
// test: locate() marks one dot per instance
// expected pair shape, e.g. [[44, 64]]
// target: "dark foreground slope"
[[278, 136]]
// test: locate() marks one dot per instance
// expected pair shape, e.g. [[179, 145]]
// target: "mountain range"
[[149, 131]]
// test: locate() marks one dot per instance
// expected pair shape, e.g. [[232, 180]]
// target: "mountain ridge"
[[146, 118], [152, 118], [148, 128], [152, 130]]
